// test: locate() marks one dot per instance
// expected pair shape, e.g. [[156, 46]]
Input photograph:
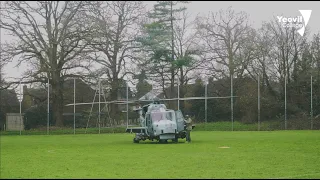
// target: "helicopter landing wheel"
[[135, 141], [175, 140], [162, 141]]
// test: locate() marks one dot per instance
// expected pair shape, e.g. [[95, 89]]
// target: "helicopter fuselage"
[[159, 123]]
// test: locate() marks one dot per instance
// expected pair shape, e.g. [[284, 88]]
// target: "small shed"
[[14, 122]]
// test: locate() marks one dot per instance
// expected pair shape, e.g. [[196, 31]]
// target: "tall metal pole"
[[178, 94], [258, 102], [232, 100], [48, 105], [311, 107], [285, 102], [127, 105], [99, 102], [20, 108], [152, 86], [4, 128], [74, 106], [206, 103]]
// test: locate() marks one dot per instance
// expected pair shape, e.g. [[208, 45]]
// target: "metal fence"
[[251, 111]]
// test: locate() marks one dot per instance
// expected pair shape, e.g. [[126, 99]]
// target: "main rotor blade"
[[135, 101], [108, 102], [195, 98]]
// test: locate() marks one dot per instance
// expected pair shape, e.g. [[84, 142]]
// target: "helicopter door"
[[149, 123], [180, 121]]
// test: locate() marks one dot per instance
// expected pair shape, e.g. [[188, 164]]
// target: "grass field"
[[264, 154], [212, 126]]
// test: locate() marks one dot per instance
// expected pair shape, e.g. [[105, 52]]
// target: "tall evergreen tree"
[[158, 42]]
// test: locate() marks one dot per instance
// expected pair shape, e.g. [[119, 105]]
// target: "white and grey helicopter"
[[158, 123]]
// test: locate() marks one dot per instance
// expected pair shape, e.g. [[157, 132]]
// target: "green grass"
[[264, 154], [62, 131], [237, 126], [216, 126]]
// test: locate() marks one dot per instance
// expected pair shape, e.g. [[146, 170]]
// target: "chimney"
[[25, 89], [24, 94]]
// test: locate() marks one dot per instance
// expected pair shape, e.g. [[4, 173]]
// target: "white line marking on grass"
[[224, 147], [295, 176]]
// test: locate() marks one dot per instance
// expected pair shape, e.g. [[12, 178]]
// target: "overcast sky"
[[258, 12]]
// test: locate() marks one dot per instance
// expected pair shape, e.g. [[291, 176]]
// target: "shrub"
[[36, 116], [2, 119]]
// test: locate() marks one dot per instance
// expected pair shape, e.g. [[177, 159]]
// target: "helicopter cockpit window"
[[158, 116], [179, 116]]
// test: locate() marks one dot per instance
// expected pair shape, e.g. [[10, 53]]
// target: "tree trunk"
[[113, 97], [267, 83], [57, 99], [182, 90], [172, 91], [172, 56]]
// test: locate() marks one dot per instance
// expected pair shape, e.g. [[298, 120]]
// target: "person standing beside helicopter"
[[188, 123]]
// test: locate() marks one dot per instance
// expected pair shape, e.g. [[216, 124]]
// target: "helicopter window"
[[169, 116], [158, 116], [179, 116]]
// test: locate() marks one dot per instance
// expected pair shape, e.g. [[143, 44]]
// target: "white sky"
[[258, 12]]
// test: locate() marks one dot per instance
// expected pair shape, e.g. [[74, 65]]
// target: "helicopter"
[[158, 123]]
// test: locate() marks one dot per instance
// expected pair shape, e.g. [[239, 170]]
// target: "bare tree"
[[114, 41], [279, 52], [3, 84], [51, 37], [315, 50], [262, 65], [224, 33], [187, 51]]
